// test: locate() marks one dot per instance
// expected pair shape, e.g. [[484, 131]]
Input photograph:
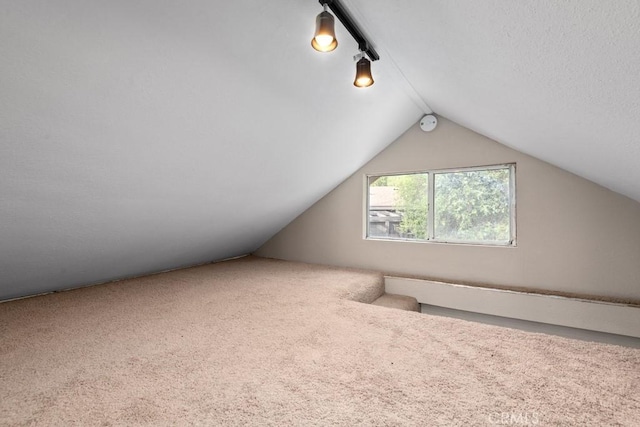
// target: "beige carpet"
[[262, 342]]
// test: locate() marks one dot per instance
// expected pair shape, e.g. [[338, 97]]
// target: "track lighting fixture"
[[325, 40], [363, 72]]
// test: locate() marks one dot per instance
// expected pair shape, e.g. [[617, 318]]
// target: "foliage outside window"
[[472, 205]]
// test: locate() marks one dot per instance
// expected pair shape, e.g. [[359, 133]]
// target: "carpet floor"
[[265, 342]]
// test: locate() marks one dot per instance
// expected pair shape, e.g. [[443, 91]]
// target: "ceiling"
[[141, 136], [559, 80]]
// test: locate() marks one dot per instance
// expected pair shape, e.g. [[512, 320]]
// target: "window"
[[471, 205]]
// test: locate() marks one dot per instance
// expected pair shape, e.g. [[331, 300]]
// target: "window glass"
[[398, 206], [470, 205]]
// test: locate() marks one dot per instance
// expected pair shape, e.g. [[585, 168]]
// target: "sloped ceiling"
[[139, 136], [559, 80]]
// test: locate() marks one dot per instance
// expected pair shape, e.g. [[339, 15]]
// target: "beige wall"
[[572, 235]]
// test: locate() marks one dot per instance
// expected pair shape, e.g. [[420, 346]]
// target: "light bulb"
[[363, 81], [324, 40]]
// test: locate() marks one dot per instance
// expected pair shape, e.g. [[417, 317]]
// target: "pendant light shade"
[[363, 73], [325, 38]]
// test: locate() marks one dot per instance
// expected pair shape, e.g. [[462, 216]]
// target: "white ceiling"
[[141, 136], [147, 135], [559, 80]]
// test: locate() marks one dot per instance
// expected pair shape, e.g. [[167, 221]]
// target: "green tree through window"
[[472, 206], [411, 201]]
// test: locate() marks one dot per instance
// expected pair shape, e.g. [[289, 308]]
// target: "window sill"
[[444, 242]]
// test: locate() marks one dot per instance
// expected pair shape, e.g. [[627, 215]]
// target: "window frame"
[[512, 242]]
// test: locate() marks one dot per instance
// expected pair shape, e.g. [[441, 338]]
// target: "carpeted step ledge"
[[401, 302]]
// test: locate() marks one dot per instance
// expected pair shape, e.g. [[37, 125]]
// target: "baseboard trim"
[[578, 313]]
